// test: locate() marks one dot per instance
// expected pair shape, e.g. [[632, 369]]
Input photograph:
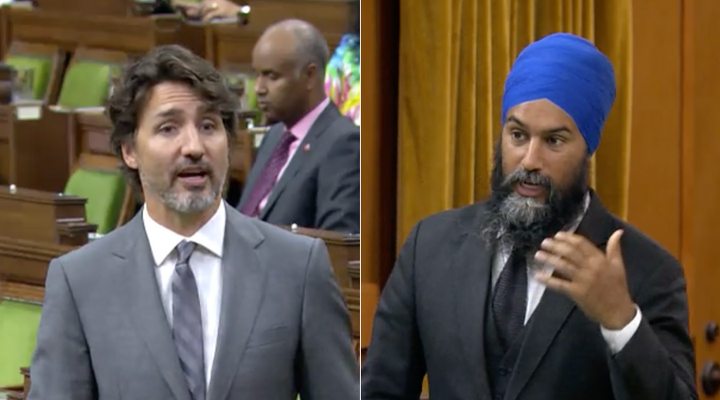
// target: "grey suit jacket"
[[320, 188], [284, 326]]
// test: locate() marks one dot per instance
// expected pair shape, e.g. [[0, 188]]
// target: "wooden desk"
[[30, 222], [352, 300], [26, 262], [344, 249], [36, 147], [354, 274], [120, 8], [31, 232], [327, 16], [33, 215], [133, 35]]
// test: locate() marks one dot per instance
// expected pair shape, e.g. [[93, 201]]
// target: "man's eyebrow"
[[170, 112], [176, 112], [514, 119], [559, 129]]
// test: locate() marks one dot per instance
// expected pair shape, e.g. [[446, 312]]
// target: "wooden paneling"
[[379, 36], [379, 137], [700, 171], [654, 167]]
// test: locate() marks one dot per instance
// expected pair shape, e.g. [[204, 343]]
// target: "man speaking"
[[538, 292]]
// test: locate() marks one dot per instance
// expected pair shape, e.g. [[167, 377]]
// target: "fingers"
[[212, 14], [555, 283], [563, 249], [189, 9], [186, 5], [613, 250], [581, 243], [561, 266]]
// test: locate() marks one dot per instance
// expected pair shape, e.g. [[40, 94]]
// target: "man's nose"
[[260, 87], [192, 145], [533, 158]]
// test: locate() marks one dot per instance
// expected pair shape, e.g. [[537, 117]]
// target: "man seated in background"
[[342, 75], [307, 169]]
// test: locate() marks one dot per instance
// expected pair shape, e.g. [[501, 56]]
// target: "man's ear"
[[129, 156], [311, 72]]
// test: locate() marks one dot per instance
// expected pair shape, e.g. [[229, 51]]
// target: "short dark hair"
[[311, 46], [169, 63]]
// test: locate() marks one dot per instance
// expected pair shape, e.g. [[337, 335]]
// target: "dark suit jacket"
[[430, 319], [321, 187]]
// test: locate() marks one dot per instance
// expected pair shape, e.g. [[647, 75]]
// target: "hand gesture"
[[593, 279]]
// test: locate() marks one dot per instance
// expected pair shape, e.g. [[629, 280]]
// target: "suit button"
[[498, 397], [504, 371]]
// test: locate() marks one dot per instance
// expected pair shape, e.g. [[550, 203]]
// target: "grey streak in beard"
[[524, 211], [516, 221], [191, 202]]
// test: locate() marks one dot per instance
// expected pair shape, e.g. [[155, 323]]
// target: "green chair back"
[[18, 333], [41, 68], [86, 84], [104, 191], [252, 101]]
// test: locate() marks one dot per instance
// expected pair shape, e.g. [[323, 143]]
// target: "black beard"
[[523, 223]]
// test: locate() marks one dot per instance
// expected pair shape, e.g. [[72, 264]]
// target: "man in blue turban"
[[538, 292]]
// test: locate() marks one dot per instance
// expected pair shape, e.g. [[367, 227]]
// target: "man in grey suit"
[[307, 170], [190, 300]]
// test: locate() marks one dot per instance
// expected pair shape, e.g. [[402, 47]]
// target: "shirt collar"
[[576, 222], [302, 127], [163, 241]]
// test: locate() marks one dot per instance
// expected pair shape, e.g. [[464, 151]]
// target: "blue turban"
[[570, 72]]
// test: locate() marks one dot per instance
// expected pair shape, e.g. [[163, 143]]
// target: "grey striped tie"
[[187, 322]]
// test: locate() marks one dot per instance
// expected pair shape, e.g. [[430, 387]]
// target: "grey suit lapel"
[[324, 120], [141, 295], [242, 292], [272, 139], [471, 265]]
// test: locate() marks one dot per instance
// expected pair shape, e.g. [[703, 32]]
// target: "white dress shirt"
[[616, 339], [205, 263]]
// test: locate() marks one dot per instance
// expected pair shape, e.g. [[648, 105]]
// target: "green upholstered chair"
[[104, 191], [41, 67], [19, 323], [252, 101], [250, 95], [86, 84]]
